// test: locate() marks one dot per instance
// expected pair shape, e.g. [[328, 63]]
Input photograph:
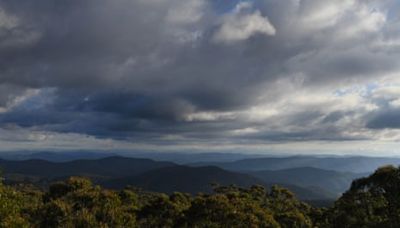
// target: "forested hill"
[[118, 172], [372, 201], [184, 179], [201, 179], [308, 183]]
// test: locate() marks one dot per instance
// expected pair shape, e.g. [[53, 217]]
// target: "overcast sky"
[[276, 76]]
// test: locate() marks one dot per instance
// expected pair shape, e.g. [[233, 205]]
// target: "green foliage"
[[288, 211], [370, 202], [233, 208], [11, 206], [163, 210], [77, 203]]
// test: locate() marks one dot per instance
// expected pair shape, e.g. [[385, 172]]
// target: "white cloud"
[[7, 21], [338, 22], [395, 103], [209, 116], [316, 14], [244, 131], [242, 24], [366, 20], [187, 12], [11, 33]]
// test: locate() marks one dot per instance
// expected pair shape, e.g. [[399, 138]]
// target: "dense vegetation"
[[370, 202]]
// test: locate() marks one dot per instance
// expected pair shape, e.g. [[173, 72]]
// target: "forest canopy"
[[372, 201]]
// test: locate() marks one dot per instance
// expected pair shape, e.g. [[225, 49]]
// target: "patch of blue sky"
[[362, 90], [37, 100], [394, 10], [370, 87]]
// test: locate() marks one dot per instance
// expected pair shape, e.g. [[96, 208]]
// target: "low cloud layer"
[[198, 73]]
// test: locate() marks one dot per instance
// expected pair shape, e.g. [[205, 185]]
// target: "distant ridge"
[[54, 156], [357, 164], [200, 179], [180, 158], [110, 166], [334, 181], [118, 172]]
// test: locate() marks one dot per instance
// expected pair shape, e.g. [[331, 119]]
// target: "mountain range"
[[119, 172], [310, 178], [355, 164]]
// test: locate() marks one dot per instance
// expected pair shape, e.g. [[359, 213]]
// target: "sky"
[[260, 76]]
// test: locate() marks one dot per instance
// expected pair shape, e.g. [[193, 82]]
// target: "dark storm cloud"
[[333, 117], [109, 114], [385, 119], [150, 68], [124, 44], [388, 114]]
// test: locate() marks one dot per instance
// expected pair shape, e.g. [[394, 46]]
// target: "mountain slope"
[[111, 166], [341, 164], [117, 172], [332, 181], [185, 179], [200, 179]]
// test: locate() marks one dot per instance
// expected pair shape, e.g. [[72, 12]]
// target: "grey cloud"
[[8, 94], [387, 119], [136, 69]]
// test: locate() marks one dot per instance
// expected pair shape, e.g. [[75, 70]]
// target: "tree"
[[227, 210], [77, 203], [287, 210], [373, 201], [11, 206]]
